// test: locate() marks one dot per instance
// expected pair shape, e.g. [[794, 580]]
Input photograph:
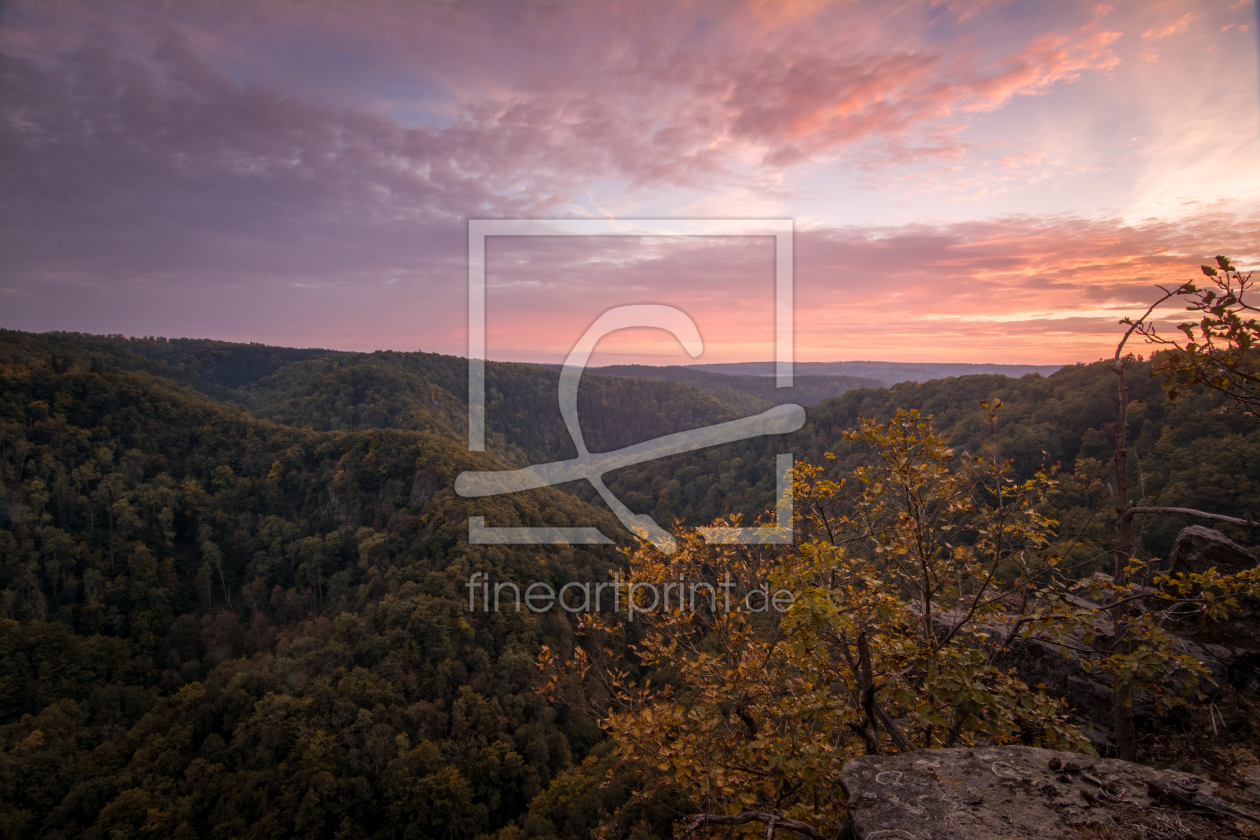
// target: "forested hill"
[[232, 597], [1182, 454], [335, 390], [210, 619], [752, 393], [887, 373]]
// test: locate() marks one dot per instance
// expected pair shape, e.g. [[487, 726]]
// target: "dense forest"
[[749, 393], [1185, 453], [232, 576]]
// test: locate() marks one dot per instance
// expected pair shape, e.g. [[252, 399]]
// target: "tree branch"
[[1133, 325], [862, 729], [772, 821], [900, 740], [1233, 520]]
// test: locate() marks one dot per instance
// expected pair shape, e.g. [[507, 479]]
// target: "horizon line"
[[250, 343]]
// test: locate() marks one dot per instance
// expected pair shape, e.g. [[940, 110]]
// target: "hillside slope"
[[1183, 454], [232, 586], [215, 620], [887, 373], [752, 393], [330, 390]]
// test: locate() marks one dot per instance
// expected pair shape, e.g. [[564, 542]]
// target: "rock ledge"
[[998, 793]]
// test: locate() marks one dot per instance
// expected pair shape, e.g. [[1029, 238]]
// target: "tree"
[[896, 606], [1221, 350], [898, 601], [1225, 359]]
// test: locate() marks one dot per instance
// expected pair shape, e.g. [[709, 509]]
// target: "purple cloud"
[[303, 173]]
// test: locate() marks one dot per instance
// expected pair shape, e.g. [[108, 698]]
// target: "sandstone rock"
[[1252, 777], [423, 487], [1198, 549], [1089, 693], [1230, 648], [1235, 641], [1000, 793], [1038, 663]]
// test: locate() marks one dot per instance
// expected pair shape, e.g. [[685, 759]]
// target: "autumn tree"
[[1221, 350], [880, 631], [1221, 353], [883, 629]]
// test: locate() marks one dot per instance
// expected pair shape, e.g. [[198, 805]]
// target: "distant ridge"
[[749, 393], [888, 372]]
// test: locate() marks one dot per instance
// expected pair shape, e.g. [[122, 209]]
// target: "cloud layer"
[[304, 174]]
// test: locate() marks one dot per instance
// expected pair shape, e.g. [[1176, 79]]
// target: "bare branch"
[[772, 821], [1133, 325], [1233, 520], [900, 740], [863, 730]]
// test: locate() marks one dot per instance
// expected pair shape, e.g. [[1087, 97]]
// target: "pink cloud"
[[156, 162], [320, 163], [1049, 60], [1167, 30], [1020, 289], [662, 98]]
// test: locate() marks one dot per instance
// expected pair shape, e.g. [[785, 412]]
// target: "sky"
[[968, 181]]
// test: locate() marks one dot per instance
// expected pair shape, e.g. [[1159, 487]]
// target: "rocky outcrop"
[[1089, 693], [1198, 549], [423, 487], [1233, 642], [1000, 793], [1229, 648]]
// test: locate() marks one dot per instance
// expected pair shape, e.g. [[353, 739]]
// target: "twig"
[[1213, 713], [772, 821], [1133, 325], [861, 728]]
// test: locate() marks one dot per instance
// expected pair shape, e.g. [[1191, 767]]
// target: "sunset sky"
[[969, 182]]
